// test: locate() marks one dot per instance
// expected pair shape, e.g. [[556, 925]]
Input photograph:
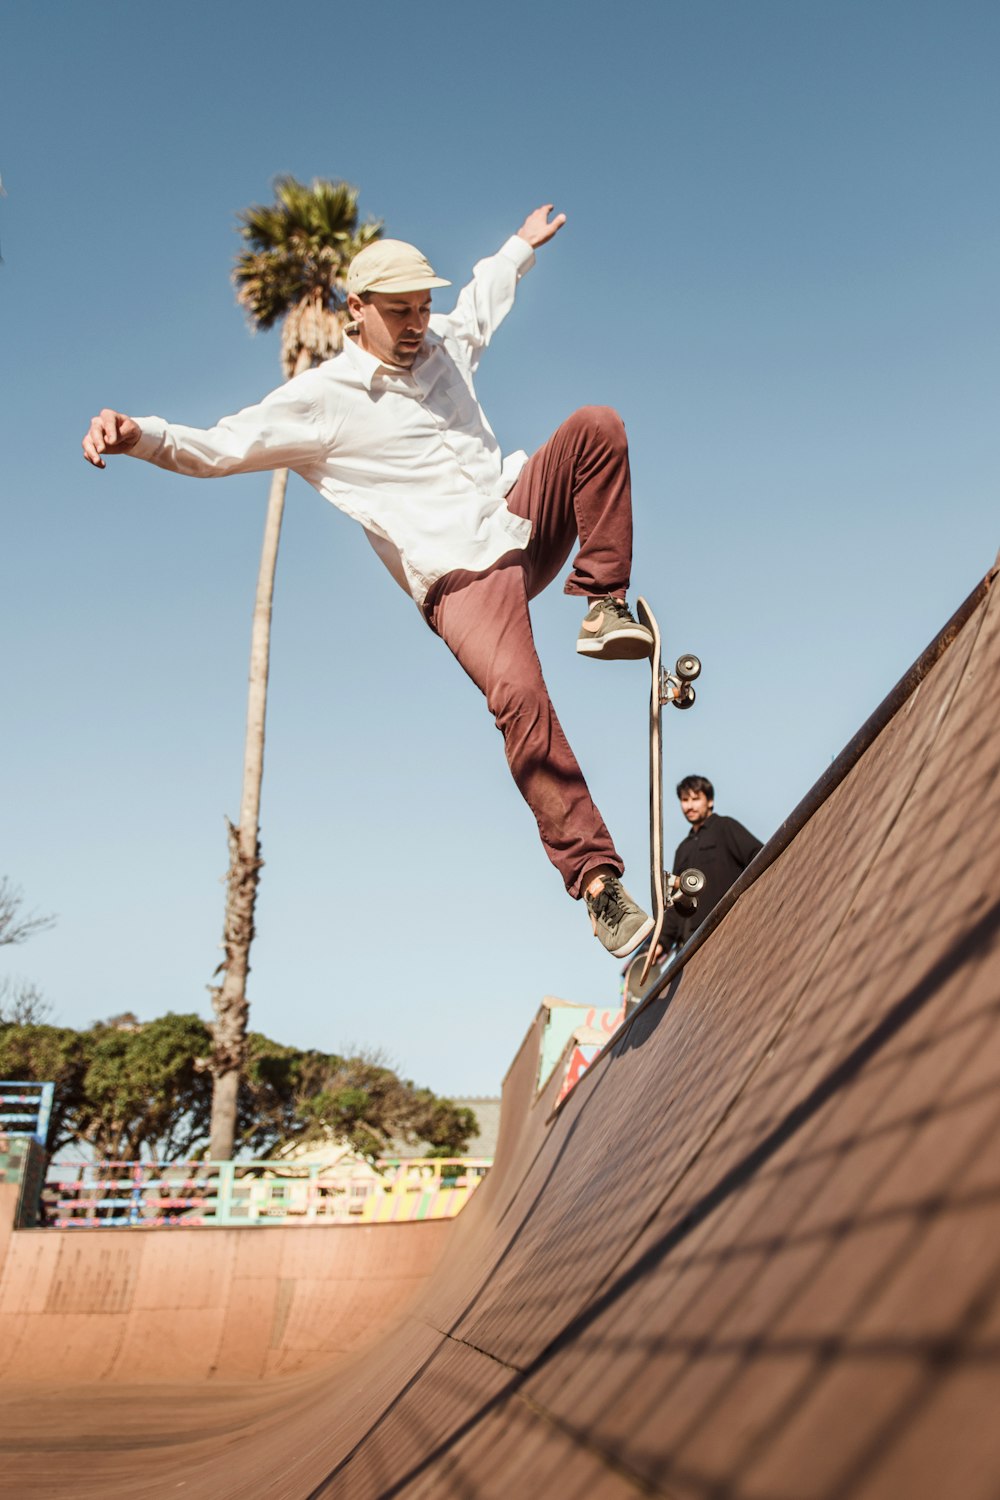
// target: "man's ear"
[[355, 306]]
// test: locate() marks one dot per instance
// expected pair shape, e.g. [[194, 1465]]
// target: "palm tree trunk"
[[229, 999]]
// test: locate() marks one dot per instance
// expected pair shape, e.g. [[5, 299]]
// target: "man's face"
[[696, 807], [391, 325]]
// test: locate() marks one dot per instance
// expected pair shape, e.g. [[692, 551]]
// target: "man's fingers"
[[109, 432], [111, 424], [545, 230], [94, 443]]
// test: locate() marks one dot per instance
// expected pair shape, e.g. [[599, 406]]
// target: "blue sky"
[[780, 265]]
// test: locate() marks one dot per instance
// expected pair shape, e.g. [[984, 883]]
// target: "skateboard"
[[668, 890]]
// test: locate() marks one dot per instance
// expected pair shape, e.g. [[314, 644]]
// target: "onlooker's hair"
[[696, 784]]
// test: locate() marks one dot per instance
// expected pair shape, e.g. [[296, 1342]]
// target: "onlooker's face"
[[696, 807], [391, 325]]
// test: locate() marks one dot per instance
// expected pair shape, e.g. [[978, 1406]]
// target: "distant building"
[[487, 1113], [483, 1145]]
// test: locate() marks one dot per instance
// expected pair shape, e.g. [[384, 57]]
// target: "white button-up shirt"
[[408, 453]]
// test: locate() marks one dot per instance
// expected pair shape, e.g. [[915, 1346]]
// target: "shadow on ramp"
[[755, 1253]]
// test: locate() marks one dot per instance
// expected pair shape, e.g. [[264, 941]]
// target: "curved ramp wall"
[[756, 1252], [190, 1305]]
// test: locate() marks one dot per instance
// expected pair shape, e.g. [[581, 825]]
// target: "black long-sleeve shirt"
[[721, 849]]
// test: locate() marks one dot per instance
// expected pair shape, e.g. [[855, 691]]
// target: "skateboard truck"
[[680, 894], [675, 688], [682, 891]]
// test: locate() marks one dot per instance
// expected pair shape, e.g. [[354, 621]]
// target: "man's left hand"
[[536, 228]]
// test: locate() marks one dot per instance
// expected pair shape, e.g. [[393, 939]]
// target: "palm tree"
[[299, 248]]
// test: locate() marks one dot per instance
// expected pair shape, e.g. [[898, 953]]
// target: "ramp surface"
[[755, 1253]]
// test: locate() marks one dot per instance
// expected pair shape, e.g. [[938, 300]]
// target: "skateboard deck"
[[666, 889]]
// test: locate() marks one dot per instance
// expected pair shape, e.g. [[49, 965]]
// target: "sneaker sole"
[[635, 939], [622, 645]]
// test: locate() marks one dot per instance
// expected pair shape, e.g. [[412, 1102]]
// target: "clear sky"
[[780, 265]]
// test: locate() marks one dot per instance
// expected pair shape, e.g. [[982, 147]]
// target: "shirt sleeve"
[[284, 431], [488, 298]]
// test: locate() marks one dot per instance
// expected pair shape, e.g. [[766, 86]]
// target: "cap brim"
[[406, 284]]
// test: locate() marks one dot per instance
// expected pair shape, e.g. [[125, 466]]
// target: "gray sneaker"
[[617, 921], [609, 631]]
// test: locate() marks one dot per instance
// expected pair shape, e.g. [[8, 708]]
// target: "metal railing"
[[25, 1109], [129, 1194]]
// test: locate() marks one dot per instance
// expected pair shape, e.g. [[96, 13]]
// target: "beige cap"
[[391, 266]]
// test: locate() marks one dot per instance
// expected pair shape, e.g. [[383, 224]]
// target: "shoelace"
[[616, 606], [608, 905]]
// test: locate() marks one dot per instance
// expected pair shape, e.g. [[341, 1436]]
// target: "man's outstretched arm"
[[489, 296], [285, 430]]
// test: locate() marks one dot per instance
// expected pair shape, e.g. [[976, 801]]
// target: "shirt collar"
[[366, 366]]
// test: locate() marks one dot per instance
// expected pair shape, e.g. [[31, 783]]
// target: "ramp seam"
[[639, 1482]]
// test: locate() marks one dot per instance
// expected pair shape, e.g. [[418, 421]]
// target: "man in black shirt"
[[719, 847]]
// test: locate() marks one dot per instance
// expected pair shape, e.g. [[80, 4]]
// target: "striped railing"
[[25, 1109], [152, 1195]]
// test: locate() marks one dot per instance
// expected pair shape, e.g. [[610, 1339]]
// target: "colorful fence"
[[25, 1109], [102, 1195], [429, 1188]]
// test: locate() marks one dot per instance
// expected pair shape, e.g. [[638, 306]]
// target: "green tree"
[[302, 1098], [147, 1090], [50, 1054], [129, 1090], [299, 248], [446, 1127]]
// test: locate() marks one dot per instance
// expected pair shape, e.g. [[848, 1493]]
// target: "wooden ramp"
[[755, 1253]]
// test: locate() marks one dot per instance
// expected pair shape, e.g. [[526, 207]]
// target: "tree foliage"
[[49, 1054], [299, 248], [294, 1097], [128, 1091]]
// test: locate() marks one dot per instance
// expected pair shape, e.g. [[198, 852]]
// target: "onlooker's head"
[[696, 784], [697, 799]]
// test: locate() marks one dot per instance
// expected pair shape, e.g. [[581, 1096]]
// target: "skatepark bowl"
[[755, 1252]]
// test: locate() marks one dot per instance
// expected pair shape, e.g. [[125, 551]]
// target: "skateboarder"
[[720, 847], [390, 431]]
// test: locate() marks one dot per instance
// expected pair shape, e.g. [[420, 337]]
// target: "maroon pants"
[[576, 486]]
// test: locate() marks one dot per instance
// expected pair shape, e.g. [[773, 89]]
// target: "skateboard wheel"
[[685, 698], [691, 882], [688, 668]]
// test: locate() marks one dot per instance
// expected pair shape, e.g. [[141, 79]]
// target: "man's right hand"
[[111, 432], [536, 228]]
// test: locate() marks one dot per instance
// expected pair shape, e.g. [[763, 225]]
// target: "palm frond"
[[298, 251]]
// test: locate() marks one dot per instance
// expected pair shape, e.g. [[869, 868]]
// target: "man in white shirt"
[[390, 431]]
